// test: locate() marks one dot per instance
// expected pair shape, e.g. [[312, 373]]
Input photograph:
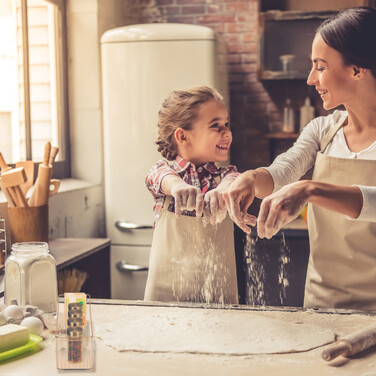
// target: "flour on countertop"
[[209, 331]]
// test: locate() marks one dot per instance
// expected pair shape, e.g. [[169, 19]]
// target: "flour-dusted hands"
[[238, 197], [187, 197], [215, 209], [281, 208]]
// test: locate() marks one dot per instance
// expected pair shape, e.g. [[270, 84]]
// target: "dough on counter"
[[208, 331]]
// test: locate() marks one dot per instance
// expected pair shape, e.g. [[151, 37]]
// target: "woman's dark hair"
[[352, 32]]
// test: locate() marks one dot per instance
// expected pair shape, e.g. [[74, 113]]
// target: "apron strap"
[[329, 136]]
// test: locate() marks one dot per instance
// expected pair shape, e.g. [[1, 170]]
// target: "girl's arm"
[[162, 180], [187, 197], [156, 175]]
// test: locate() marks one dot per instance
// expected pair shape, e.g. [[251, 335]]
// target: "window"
[[33, 90]]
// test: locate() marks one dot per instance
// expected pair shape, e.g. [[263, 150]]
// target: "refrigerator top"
[[157, 32]]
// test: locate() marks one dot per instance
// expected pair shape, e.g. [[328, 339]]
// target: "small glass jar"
[[30, 276]]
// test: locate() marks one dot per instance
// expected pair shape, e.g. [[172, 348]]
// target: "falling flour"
[[256, 259], [204, 268]]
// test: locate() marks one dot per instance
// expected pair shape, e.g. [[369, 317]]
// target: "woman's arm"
[[285, 205], [240, 194]]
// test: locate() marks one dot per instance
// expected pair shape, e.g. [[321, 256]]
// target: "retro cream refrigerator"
[[141, 64]]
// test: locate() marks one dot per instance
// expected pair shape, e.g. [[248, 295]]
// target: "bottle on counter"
[[30, 276], [307, 113], [288, 117]]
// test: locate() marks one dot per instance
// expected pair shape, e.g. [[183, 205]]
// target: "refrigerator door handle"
[[122, 266], [128, 226]]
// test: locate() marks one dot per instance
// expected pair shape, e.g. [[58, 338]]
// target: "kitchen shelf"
[[280, 75], [273, 138], [287, 33], [282, 136]]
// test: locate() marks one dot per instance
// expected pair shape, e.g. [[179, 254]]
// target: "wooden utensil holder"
[[29, 224]]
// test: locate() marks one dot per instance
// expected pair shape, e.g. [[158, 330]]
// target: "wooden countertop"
[[66, 251], [110, 362]]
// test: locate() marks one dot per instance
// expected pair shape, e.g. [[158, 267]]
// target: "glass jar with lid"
[[30, 276]]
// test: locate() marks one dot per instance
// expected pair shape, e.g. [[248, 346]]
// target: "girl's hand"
[[280, 208], [238, 197], [215, 209], [187, 197]]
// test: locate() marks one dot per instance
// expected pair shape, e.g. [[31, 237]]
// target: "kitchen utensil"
[[47, 153], [351, 344], [54, 186], [12, 179], [40, 194], [7, 194], [53, 154], [28, 224], [41, 191], [29, 171], [4, 167]]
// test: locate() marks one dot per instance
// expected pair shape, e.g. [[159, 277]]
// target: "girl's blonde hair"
[[180, 110]]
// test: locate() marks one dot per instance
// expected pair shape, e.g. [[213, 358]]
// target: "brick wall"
[[252, 110]]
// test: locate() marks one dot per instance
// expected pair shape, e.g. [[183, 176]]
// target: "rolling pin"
[[40, 194], [351, 344]]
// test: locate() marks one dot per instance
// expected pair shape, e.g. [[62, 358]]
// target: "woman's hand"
[[187, 197], [238, 197], [280, 208]]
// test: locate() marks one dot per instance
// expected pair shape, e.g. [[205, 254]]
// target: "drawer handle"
[[122, 266], [128, 226]]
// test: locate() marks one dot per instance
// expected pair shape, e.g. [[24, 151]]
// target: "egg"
[[13, 311], [49, 321], [34, 325], [3, 319]]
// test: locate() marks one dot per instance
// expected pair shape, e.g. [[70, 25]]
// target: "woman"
[[342, 148]]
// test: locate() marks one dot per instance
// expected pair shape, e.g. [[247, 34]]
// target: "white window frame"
[[61, 166]]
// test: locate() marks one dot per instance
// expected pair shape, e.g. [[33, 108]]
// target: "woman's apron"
[[190, 262], [342, 264]]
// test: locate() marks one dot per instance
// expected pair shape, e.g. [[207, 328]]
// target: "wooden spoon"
[[29, 171]]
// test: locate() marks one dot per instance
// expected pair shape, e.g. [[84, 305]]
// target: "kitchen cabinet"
[[87, 255]]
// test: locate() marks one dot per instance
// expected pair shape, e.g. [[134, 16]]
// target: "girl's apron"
[[342, 264], [190, 262]]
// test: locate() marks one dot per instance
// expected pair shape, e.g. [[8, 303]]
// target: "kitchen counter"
[[110, 362], [85, 255]]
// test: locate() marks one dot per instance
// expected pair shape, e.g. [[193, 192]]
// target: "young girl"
[[192, 256]]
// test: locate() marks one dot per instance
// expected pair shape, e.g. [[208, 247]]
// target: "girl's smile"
[[210, 138]]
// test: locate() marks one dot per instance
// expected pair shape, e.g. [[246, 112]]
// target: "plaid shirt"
[[202, 177]]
